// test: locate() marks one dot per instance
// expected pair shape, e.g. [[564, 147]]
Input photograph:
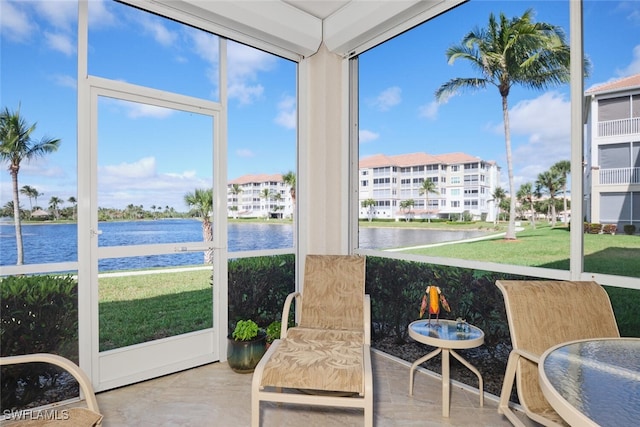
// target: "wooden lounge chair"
[[326, 359], [81, 417], [542, 314]]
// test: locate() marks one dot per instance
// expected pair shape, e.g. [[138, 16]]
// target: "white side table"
[[444, 335]]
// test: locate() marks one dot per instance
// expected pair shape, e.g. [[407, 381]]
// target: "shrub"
[[609, 228], [629, 229], [39, 314], [595, 228], [258, 287]]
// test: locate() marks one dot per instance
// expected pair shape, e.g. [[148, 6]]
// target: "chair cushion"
[[325, 335], [333, 292], [302, 362]]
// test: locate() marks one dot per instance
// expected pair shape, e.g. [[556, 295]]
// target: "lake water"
[[47, 243]]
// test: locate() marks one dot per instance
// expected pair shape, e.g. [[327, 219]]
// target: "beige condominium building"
[[612, 163], [259, 196], [462, 184]]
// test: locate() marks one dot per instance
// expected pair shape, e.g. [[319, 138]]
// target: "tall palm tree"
[[289, 178], [235, 190], [405, 206], [563, 167], [369, 204], [16, 146], [30, 192], [498, 196], [526, 195], [74, 204], [54, 205], [427, 187], [511, 52], [550, 182], [201, 200], [266, 195]]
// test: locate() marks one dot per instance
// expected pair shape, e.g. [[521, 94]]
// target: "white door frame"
[[115, 368]]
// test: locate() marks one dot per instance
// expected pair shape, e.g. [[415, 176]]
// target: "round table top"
[[594, 382], [444, 334]]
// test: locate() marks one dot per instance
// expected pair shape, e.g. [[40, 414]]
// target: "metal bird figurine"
[[431, 301]]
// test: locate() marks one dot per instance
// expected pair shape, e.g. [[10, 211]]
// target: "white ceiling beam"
[[274, 26], [361, 25]]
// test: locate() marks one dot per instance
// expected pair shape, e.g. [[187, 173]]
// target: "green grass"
[[136, 309], [140, 308], [549, 247]]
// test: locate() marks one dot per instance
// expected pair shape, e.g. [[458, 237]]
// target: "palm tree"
[[526, 195], [266, 195], [511, 52], [427, 187], [498, 196], [405, 206], [550, 182], [289, 178], [54, 205], [370, 205], [74, 204], [30, 192], [235, 190], [563, 167], [201, 200], [16, 146]]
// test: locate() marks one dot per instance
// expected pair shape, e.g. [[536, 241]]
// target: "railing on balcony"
[[620, 176], [619, 127]]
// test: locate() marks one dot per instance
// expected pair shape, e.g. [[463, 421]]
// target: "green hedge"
[[258, 287], [39, 315]]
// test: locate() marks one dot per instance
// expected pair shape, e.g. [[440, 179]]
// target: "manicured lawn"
[[549, 247], [135, 309]]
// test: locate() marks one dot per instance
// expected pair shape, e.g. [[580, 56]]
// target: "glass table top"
[[600, 378], [445, 333]]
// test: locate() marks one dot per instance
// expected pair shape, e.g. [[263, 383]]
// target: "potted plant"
[[246, 346], [273, 331]]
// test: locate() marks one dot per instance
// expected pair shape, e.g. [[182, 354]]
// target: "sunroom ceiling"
[[299, 27]]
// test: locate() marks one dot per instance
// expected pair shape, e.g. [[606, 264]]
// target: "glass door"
[[152, 237]]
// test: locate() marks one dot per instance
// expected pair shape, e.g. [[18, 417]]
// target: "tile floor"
[[213, 395]]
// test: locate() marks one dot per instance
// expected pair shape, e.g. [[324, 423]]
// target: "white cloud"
[[429, 111], [634, 66], [367, 136], [61, 14], [287, 114], [140, 183], [387, 99], [540, 131], [245, 152], [135, 110], [15, 22], [245, 63], [159, 32], [60, 42], [65, 81]]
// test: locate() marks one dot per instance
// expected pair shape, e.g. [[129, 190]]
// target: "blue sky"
[[397, 109]]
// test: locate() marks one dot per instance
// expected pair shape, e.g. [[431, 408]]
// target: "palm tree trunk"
[[16, 218], [511, 228], [564, 200], [207, 234]]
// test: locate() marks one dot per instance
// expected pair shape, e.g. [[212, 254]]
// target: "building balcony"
[[619, 127], [616, 176]]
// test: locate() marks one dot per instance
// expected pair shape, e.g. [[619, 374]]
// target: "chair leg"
[[507, 386]]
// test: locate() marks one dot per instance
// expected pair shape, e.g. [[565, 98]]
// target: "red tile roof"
[[415, 159], [263, 177], [623, 83]]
